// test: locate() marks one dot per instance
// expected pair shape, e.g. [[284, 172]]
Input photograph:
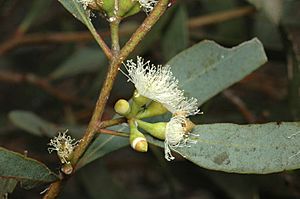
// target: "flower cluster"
[[158, 84], [64, 145], [148, 5]]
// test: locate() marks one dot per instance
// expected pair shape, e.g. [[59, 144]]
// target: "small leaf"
[[33, 14], [31, 123], [84, 60], [77, 10], [207, 68], [258, 148], [82, 14], [26, 170]]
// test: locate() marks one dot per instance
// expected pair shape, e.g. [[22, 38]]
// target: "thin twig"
[[42, 83], [241, 106], [220, 16], [53, 190], [112, 73], [55, 37], [113, 122], [111, 132]]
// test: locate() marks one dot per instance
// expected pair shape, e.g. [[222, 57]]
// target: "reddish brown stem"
[[44, 84]]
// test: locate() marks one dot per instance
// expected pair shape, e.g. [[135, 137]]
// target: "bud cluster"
[[113, 9]]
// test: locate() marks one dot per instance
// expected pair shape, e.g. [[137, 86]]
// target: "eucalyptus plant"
[[160, 108]]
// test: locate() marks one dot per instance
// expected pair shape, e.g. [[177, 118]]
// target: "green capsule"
[[154, 109], [157, 130]]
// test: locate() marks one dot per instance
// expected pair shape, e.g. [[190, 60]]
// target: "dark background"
[[36, 41]]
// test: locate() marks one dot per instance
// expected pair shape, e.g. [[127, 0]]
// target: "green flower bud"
[[114, 8], [137, 140], [137, 103], [157, 130], [128, 8], [154, 109], [122, 107], [139, 99]]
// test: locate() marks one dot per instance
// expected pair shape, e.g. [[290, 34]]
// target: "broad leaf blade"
[[259, 148], [207, 68], [26, 170]]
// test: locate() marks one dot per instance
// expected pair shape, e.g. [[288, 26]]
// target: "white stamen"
[[176, 136], [148, 5], [158, 83], [64, 145]]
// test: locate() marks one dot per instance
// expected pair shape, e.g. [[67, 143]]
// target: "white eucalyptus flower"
[[158, 83], [176, 136], [148, 5], [64, 145]]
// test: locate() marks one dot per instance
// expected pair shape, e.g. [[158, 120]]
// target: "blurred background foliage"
[[51, 68]]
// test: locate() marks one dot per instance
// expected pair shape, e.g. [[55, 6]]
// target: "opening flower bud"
[[157, 130], [154, 109], [137, 140], [64, 145], [122, 107]]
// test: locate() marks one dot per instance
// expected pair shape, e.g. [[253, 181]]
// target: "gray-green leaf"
[[26, 170], [177, 31], [78, 11], [84, 60], [258, 148], [207, 68], [31, 123]]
